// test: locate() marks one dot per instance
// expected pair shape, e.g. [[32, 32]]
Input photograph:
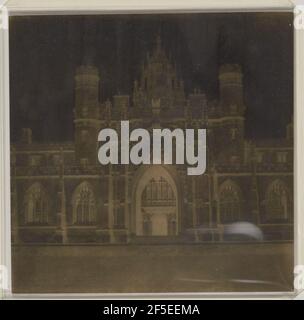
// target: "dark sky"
[[45, 51]]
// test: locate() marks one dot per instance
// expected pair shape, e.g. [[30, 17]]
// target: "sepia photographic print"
[[152, 153]]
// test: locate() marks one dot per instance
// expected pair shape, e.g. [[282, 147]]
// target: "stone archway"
[[158, 214]]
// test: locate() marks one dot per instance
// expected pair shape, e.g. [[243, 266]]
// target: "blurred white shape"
[[244, 228]]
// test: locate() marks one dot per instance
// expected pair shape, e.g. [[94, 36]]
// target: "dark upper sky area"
[[45, 51]]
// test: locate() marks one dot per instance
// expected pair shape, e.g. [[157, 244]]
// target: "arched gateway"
[[156, 202]]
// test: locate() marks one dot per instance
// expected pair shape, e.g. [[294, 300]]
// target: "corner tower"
[[231, 89], [86, 113]]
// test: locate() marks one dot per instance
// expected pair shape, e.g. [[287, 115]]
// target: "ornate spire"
[[158, 82]]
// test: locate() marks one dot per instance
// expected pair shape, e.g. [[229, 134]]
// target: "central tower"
[[159, 83]]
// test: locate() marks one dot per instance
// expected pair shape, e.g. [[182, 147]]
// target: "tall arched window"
[[36, 205], [277, 201], [158, 192], [230, 202], [84, 206]]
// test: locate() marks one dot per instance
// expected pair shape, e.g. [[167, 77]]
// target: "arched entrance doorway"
[[156, 203]]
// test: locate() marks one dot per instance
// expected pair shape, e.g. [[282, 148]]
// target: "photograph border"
[[69, 7]]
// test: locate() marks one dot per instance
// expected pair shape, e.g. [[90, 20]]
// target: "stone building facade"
[[62, 194]]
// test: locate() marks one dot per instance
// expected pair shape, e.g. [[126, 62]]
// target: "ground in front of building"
[[153, 268]]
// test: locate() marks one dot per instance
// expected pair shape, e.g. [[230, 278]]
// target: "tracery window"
[[84, 205], [230, 202], [36, 204], [158, 192], [277, 201]]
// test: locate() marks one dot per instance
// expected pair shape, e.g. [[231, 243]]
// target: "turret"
[[86, 112], [231, 89], [229, 136], [86, 92]]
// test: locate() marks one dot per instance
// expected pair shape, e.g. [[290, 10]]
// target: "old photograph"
[[152, 153]]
